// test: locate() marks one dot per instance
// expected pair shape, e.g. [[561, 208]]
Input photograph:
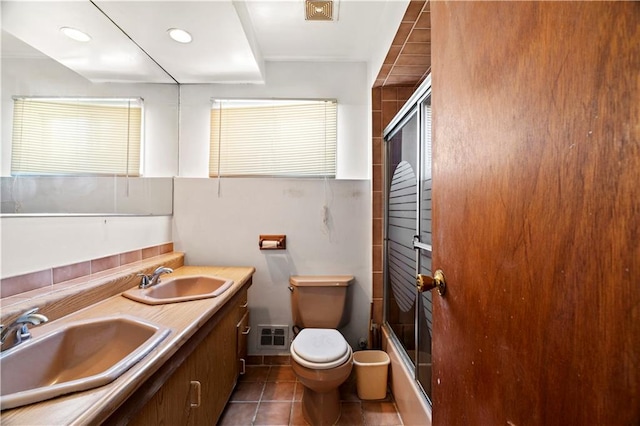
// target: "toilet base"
[[321, 409], [321, 397]]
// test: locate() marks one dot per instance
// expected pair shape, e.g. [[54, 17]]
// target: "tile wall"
[[407, 64], [12, 286]]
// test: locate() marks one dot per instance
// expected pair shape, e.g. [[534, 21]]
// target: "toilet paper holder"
[[272, 242]]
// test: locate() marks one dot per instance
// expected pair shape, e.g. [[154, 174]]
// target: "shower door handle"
[[426, 283]]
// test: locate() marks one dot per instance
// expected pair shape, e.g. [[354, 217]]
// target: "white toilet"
[[321, 358]]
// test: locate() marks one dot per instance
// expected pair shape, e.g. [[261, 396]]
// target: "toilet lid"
[[320, 348]]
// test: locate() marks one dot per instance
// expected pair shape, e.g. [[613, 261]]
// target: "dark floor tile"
[[298, 392], [238, 414], [247, 391], [348, 390], [297, 418], [255, 374], [273, 414], [380, 413], [281, 373], [279, 391], [351, 414]]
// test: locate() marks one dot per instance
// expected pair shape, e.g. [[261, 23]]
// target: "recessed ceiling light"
[[181, 36], [75, 34]]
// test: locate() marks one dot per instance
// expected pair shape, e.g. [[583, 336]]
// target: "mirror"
[[27, 72]]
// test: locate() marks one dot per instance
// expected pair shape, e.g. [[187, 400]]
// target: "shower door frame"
[[413, 106]]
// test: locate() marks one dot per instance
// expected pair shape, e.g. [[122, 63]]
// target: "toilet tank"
[[318, 301]]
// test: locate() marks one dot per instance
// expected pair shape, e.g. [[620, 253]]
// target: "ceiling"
[[231, 39]]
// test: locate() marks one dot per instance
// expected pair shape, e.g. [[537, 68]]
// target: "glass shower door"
[[425, 249], [408, 248], [401, 260]]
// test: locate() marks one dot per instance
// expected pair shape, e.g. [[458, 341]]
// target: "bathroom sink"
[[180, 289], [74, 357]]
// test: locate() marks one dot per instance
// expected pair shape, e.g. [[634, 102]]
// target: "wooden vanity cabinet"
[[242, 331], [194, 386]]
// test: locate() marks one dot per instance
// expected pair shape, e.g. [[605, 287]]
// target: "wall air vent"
[[273, 336], [316, 10]]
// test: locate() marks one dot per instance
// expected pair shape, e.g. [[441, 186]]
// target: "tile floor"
[[270, 395]]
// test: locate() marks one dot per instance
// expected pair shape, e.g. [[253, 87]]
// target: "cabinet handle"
[[245, 304], [195, 392], [244, 366], [247, 332]]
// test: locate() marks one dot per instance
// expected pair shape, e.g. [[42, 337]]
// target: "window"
[[283, 138], [76, 136]]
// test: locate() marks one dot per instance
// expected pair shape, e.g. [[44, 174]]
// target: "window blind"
[[76, 136], [273, 138]]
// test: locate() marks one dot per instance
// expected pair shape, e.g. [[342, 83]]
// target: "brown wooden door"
[[536, 210]]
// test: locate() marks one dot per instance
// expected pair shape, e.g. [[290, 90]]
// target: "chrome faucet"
[[9, 339], [151, 280]]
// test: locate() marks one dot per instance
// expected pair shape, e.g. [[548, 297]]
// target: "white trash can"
[[371, 373]]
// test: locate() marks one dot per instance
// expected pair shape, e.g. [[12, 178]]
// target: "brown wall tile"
[[130, 257], [413, 10], [420, 36], [377, 177], [392, 55], [165, 248], [69, 272], [377, 232], [416, 49], [377, 285], [150, 252], [376, 258], [389, 94], [402, 79], [377, 207], [424, 21], [403, 32], [404, 93], [389, 110], [377, 155], [104, 263], [415, 70], [376, 99], [377, 123], [27, 282], [377, 311], [424, 60], [277, 360]]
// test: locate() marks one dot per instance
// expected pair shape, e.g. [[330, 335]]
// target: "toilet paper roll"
[[269, 244]]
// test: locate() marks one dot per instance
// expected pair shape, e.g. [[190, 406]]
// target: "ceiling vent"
[[318, 10]]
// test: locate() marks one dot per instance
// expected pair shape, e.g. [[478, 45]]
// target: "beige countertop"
[[183, 319]]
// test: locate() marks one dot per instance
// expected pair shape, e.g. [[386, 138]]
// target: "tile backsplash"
[[12, 286]]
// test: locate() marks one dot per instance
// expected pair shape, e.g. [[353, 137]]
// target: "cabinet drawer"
[[243, 304]]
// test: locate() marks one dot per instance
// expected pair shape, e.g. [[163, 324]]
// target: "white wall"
[[224, 230], [344, 81]]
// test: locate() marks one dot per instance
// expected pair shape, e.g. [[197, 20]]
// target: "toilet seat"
[[320, 348]]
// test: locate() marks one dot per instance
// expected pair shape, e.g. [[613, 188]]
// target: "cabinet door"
[[215, 366], [197, 392]]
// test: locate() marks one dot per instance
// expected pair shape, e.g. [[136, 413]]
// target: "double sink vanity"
[[115, 353]]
